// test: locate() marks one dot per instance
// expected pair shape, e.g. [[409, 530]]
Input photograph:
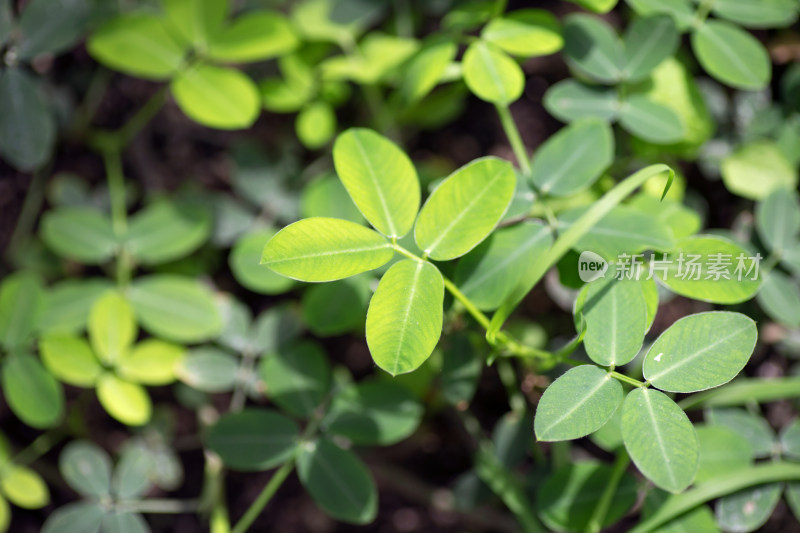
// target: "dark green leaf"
[[721, 450], [208, 369], [253, 439], [731, 55], [748, 509], [650, 120], [570, 100], [87, 468], [82, 234], [27, 127], [78, 517], [461, 369], [297, 377], [51, 26], [31, 392], [648, 41], [592, 47], [21, 303], [165, 231], [750, 426], [244, 262], [337, 307]]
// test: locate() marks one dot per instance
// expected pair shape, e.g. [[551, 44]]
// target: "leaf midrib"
[[406, 313], [659, 437], [377, 185]]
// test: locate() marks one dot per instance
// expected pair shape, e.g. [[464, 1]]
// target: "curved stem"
[[601, 509], [264, 497], [510, 127]]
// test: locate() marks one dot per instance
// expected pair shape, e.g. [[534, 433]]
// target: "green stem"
[[508, 376], [720, 485], [91, 101], [116, 191], [160, 506], [627, 379], [40, 446], [601, 509], [134, 125], [30, 209], [510, 127], [239, 396], [266, 495], [702, 12], [500, 8]]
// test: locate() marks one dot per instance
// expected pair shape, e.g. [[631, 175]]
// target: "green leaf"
[[573, 159], [24, 487], [778, 219], [748, 509], [380, 179], [327, 197], [698, 520], [622, 230], [461, 369], [112, 327], [648, 41], [377, 57], [660, 439], [137, 44], [790, 440], [578, 403], [616, 321], [27, 126], [80, 517], [48, 27], [682, 11], [650, 120], [325, 249], [70, 359], [151, 362], [692, 265], [316, 125], [314, 20], [592, 47], [133, 474], [297, 377], [490, 272], [465, 208], [598, 6], [682, 220], [254, 36], [764, 14], [404, 320], [125, 401], [217, 97], [124, 521], [793, 497], [196, 20], [253, 439], [491, 74], [81, 234], [67, 304], [748, 425], [86, 468], [609, 437], [244, 262], [570, 100], [525, 33], [731, 55], [31, 392], [374, 412], [338, 482], [338, 307], [6, 27], [177, 308], [567, 499], [165, 231], [721, 450], [700, 351], [779, 297], [208, 369], [757, 169], [21, 302], [425, 70]]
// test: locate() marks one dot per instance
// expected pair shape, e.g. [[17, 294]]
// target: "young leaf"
[[316, 125], [491, 74], [253, 439], [739, 277], [67, 304], [616, 321], [648, 41], [86, 468], [137, 44], [27, 127], [208, 369], [254, 36], [731, 55], [592, 47], [525, 33], [196, 20], [425, 70], [757, 169], [220, 98], [75, 518], [748, 509], [573, 159], [297, 377], [660, 439], [164, 231], [176, 308], [578, 403], [374, 412], [750, 426], [21, 301], [570, 100], [465, 208], [70, 359], [404, 320], [82, 234], [125, 401], [650, 120], [244, 262], [338, 482], [721, 450], [24, 487], [700, 351], [151, 362], [779, 297], [31, 392], [489, 273], [380, 179], [325, 249], [778, 219], [112, 327], [378, 56]]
